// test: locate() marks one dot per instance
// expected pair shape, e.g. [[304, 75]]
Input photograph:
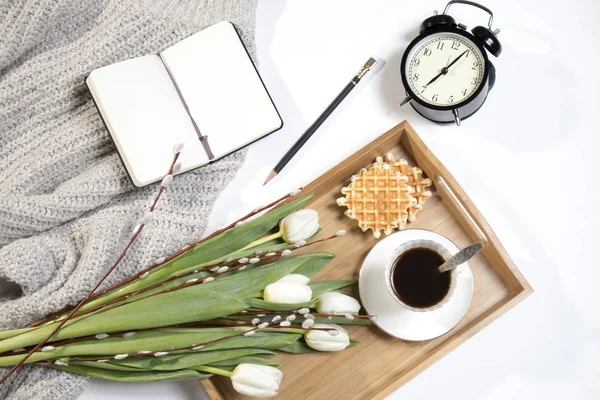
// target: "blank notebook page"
[[144, 115], [222, 89]]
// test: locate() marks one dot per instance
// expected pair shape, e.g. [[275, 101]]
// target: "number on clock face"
[[445, 69]]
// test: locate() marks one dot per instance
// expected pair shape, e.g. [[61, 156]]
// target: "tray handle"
[[446, 191]]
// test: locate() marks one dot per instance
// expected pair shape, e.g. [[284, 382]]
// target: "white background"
[[528, 159]]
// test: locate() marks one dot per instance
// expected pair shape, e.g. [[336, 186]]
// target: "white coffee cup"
[[420, 244]]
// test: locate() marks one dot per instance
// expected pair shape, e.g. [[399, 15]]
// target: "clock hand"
[[435, 78], [456, 60], [445, 70]]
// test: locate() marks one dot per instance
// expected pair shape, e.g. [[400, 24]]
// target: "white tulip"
[[295, 278], [256, 380], [337, 303], [299, 225], [324, 341], [287, 293]]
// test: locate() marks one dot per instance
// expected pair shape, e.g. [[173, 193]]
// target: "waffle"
[[378, 198], [415, 181]]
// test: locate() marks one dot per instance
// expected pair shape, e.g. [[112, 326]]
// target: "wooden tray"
[[380, 364]]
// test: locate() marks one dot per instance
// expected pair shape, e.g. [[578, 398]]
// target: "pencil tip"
[[272, 175]]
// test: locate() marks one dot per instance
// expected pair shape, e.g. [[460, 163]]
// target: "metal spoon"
[[461, 257]]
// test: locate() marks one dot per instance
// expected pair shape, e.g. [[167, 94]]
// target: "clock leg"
[[456, 116], [407, 100]]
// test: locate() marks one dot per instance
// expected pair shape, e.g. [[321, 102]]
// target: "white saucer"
[[397, 320]]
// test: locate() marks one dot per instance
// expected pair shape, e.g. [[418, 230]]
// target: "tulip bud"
[[287, 293], [290, 289], [299, 225], [256, 380], [337, 303], [295, 278], [323, 341]]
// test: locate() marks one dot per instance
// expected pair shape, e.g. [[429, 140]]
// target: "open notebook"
[[203, 91]]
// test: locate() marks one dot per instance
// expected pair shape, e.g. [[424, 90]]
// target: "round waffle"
[[415, 181], [378, 198]]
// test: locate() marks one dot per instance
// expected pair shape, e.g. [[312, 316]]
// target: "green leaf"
[[273, 245], [246, 284], [259, 304], [261, 340], [104, 365], [318, 288], [300, 347], [127, 376], [181, 306], [313, 267], [166, 309], [162, 288], [237, 284], [150, 340], [188, 360], [160, 340], [231, 281], [245, 360]]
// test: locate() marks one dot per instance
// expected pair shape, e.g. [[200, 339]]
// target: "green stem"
[[14, 332], [216, 371], [262, 240]]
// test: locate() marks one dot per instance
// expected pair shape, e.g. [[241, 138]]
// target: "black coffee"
[[415, 278]]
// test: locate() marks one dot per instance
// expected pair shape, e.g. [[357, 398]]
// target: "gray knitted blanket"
[[67, 207]]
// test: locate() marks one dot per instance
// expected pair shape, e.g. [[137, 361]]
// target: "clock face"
[[444, 69]]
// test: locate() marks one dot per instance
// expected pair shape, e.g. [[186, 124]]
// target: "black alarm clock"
[[445, 71]]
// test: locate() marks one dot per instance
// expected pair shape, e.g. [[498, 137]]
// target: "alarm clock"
[[445, 70]]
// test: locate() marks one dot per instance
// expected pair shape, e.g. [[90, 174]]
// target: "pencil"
[[319, 121]]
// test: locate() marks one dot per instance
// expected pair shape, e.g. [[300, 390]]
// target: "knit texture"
[[67, 207]]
